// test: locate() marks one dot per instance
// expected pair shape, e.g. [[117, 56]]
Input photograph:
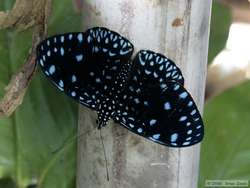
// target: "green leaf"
[[219, 28], [226, 149], [35, 145]]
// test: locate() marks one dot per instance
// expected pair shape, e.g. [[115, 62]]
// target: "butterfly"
[[146, 94]]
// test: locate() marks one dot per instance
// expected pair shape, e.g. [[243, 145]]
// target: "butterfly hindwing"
[[83, 65], [154, 100], [169, 117]]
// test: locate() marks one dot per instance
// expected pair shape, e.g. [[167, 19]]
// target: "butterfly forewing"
[[84, 65], [149, 65]]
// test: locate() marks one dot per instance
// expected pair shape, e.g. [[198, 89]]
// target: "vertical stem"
[[178, 29]]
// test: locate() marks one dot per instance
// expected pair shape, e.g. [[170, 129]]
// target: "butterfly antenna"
[[105, 156], [71, 140]]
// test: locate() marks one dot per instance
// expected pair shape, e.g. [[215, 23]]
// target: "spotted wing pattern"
[[159, 107], [84, 65], [154, 66], [145, 95]]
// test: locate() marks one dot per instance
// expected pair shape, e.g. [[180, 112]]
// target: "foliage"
[[220, 23], [225, 151], [35, 147]]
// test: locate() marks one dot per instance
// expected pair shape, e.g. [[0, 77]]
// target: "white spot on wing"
[[167, 106], [156, 136], [41, 62], [197, 119], [174, 137], [79, 58], [139, 130], [147, 72], [136, 100], [193, 112], [61, 84], [131, 125], [73, 78], [80, 37], [73, 93], [123, 52], [111, 54], [62, 51], [152, 122], [62, 39], [70, 36], [155, 75], [198, 127], [168, 75], [52, 69], [98, 80], [176, 87], [183, 95], [163, 86], [183, 118], [186, 143], [190, 103], [108, 77], [161, 67]]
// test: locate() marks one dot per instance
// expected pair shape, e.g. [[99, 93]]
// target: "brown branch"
[[78, 5], [17, 87], [39, 11], [23, 15]]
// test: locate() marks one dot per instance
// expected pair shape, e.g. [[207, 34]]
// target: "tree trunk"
[[179, 29]]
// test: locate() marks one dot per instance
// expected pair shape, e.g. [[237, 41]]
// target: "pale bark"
[[178, 29]]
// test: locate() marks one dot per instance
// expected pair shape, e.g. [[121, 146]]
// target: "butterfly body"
[[145, 94]]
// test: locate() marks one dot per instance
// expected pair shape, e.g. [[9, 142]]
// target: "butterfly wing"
[[169, 117], [154, 66], [162, 111], [83, 65]]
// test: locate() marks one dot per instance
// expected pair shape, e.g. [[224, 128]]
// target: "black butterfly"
[[145, 95]]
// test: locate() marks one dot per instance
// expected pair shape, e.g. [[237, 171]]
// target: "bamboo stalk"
[[178, 29]]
